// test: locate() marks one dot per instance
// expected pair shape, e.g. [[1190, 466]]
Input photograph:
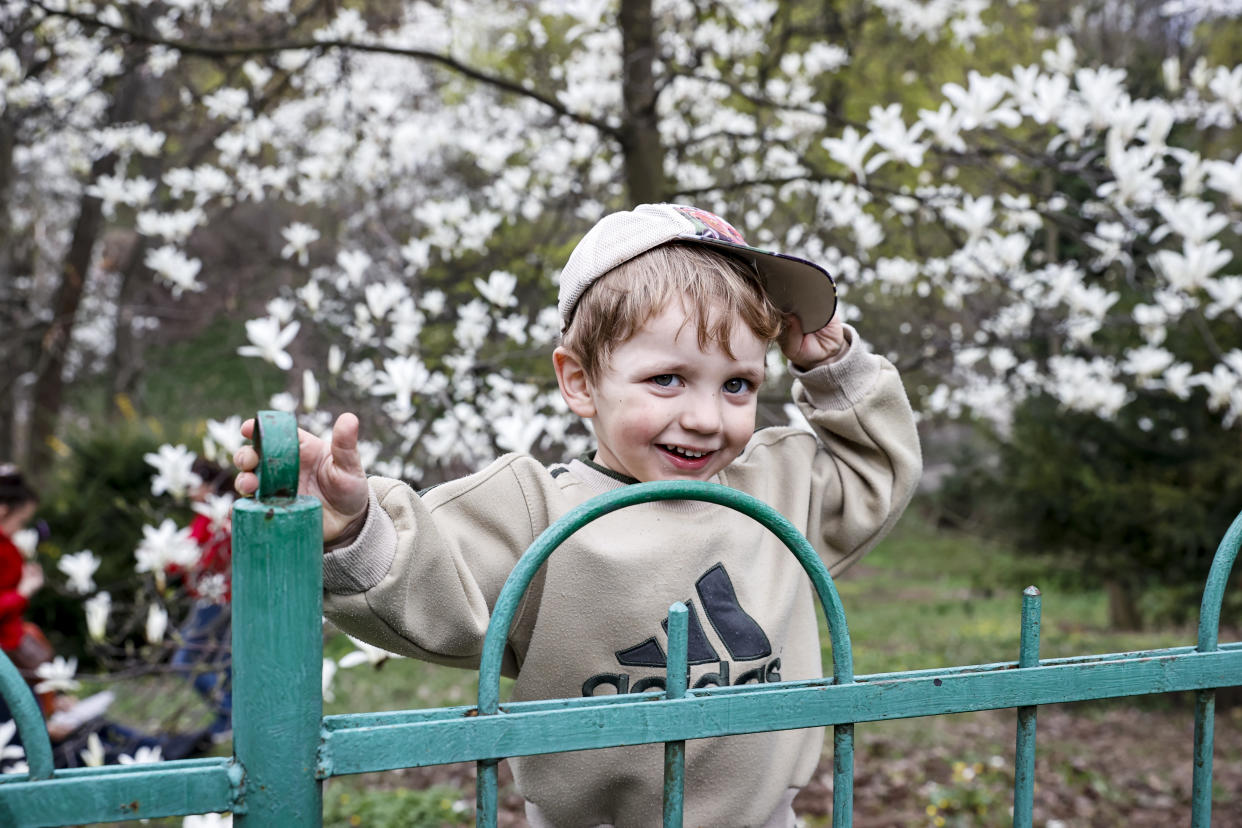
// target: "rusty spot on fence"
[[132, 806], [271, 513], [937, 682], [474, 711]]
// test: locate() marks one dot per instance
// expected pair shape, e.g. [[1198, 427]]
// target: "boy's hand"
[[331, 472], [807, 351]]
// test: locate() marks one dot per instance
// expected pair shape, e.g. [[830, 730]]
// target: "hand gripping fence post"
[[278, 637], [526, 567]]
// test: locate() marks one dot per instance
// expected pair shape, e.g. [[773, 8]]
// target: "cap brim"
[[795, 286]]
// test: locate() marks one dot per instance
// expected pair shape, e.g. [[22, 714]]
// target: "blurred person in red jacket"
[[19, 578], [204, 654]]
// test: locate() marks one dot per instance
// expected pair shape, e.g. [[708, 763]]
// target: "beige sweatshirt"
[[425, 571]]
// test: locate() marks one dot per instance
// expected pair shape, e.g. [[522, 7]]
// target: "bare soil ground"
[[1113, 764]]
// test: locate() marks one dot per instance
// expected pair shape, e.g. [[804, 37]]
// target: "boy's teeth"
[[686, 452]]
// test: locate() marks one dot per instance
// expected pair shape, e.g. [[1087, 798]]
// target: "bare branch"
[[219, 52]]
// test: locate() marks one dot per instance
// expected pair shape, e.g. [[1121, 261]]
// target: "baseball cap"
[[794, 285]]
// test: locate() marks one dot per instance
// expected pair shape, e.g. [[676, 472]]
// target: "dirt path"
[[1096, 765]]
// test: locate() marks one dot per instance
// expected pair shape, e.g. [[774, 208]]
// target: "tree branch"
[[218, 52]]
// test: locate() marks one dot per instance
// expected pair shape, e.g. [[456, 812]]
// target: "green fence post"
[[1024, 753], [676, 677], [277, 638], [1205, 700]]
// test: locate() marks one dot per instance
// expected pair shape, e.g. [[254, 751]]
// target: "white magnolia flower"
[[79, 568], [891, 133], [381, 297], [851, 150], [336, 358], [402, 377], [519, 429], [57, 675], [173, 470], [299, 237], [9, 751], [227, 434], [498, 289], [268, 341], [329, 672], [163, 547], [218, 509], [283, 401], [1194, 220], [354, 263], [1226, 293], [310, 390], [1147, 362], [1226, 178], [93, 756], [281, 308], [208, 821], [364, 653], [945, 126], [311, 295], [174, 267], [982, 103], [1194, 266], [97, 607], [157, 623], [142, 756], [975, 215], [213, 587]]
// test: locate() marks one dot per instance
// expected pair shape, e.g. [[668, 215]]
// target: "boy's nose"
[[702, 414]]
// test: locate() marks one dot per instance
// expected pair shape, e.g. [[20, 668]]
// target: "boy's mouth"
[[686, 457]]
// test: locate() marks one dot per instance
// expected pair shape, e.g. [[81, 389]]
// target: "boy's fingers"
[[247, 428], [246, 484], [345, 444], [246, 458]]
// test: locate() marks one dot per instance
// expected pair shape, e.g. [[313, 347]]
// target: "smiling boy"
[[667, 315]]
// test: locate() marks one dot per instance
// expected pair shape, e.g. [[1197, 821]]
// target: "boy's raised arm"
[[331, 472]]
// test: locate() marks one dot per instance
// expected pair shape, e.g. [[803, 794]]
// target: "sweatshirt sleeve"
[[423, 574], [851, 479]]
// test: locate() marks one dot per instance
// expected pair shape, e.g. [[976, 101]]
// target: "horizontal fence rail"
[[284, 747]]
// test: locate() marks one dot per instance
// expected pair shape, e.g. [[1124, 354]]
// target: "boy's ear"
[[575, 387]]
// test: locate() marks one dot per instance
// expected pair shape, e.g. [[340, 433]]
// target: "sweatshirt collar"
[[604, 470]]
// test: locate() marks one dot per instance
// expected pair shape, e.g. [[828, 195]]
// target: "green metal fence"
[[284, 747]]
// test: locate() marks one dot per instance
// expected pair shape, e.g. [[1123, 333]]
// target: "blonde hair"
[[716, 289]]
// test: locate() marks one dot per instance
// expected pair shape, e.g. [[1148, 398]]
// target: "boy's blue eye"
[[664, 380], [736, 386]]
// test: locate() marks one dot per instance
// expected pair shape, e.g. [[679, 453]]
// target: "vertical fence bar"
[[487, 793], [1201, 786], [277, 638], [676, 677], [1024, 754], [1205, 700], [843, 776]]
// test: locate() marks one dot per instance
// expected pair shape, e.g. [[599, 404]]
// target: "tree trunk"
[[640, 126], [9, 308], [1123, 608], [49, 385], [124, 366]]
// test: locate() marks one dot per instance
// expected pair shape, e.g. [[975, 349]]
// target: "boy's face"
[[665, 409]]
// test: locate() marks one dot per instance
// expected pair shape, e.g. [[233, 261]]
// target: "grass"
[[923, 599]]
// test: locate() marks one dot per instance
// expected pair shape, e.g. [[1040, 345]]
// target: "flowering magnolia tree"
[[1014, 207]]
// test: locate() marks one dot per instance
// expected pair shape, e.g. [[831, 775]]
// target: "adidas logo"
[[741, 635]]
